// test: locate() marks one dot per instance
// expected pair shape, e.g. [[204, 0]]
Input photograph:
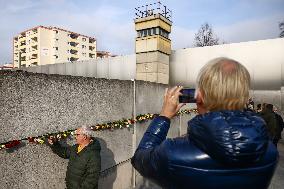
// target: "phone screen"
[[188, 96]]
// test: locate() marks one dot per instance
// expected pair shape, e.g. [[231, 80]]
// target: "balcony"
[[34, 47], [73, 44], [74, 35], [34, 56], [73, 59], [73, 40], [92, 40], [34, 62], [91, 48], [34, 39], [74, 51], [23, 50], [92, 55], [74, 55], [22, 38], [23, 55]]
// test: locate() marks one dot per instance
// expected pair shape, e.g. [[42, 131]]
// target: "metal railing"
[[153, 9]]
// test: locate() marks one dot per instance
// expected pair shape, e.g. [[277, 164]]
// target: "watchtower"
[[153, 45]]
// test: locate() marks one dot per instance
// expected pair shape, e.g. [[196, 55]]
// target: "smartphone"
[[188, 96]]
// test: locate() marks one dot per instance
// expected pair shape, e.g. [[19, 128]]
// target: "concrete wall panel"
[[39, 103], [103, 68], [263, 63], [91, 69], [60, 69]]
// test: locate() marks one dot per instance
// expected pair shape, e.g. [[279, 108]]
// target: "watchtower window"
[[153, 31]]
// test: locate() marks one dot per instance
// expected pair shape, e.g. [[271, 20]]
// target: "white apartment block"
[[49, 45]]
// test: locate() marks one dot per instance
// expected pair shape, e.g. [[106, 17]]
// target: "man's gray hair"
[[85, 130], [224, 84]]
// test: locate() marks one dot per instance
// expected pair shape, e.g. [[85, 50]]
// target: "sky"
[[111, 22]]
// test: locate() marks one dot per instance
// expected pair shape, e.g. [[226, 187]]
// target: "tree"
[[205, 36], [281, 27]]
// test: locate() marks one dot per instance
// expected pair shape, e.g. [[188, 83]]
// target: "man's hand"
[[171, 105]]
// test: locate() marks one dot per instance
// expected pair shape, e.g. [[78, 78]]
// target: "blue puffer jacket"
[[225, 149]]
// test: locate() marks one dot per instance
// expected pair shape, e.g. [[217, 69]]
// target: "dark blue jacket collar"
[[233, 137]]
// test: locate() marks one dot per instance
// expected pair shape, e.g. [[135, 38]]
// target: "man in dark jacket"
[[84, 160], [279, 129], [271, 122], [225, 147]]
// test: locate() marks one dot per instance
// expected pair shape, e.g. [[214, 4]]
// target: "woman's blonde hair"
[[224, 84]]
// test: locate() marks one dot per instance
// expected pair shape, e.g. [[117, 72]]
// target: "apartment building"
[[49, 45]]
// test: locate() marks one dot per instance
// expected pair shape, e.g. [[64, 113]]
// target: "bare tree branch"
[[205, 36]]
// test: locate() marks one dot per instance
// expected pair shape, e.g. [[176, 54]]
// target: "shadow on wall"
[[109, 170]]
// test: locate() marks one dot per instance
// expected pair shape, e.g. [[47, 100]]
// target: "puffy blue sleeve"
[[150, 158]]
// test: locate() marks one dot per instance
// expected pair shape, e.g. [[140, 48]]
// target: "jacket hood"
[[231, 137]]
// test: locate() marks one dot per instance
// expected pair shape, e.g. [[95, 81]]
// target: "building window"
[[152, 31], [83, 46], [149, 31], [144, 33], [83, 39], [139, 34]]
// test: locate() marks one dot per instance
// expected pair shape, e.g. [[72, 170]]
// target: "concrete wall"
[[120, 67], [264, 59], [34, 104]]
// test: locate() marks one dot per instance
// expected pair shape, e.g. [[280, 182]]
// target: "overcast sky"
[[111, 21]]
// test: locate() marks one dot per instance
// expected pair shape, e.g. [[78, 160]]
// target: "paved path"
[[278, 178]]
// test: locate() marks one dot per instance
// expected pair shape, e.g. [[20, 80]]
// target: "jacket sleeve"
[[150, 158], [272, 123], [63, 152], [93, 170]]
